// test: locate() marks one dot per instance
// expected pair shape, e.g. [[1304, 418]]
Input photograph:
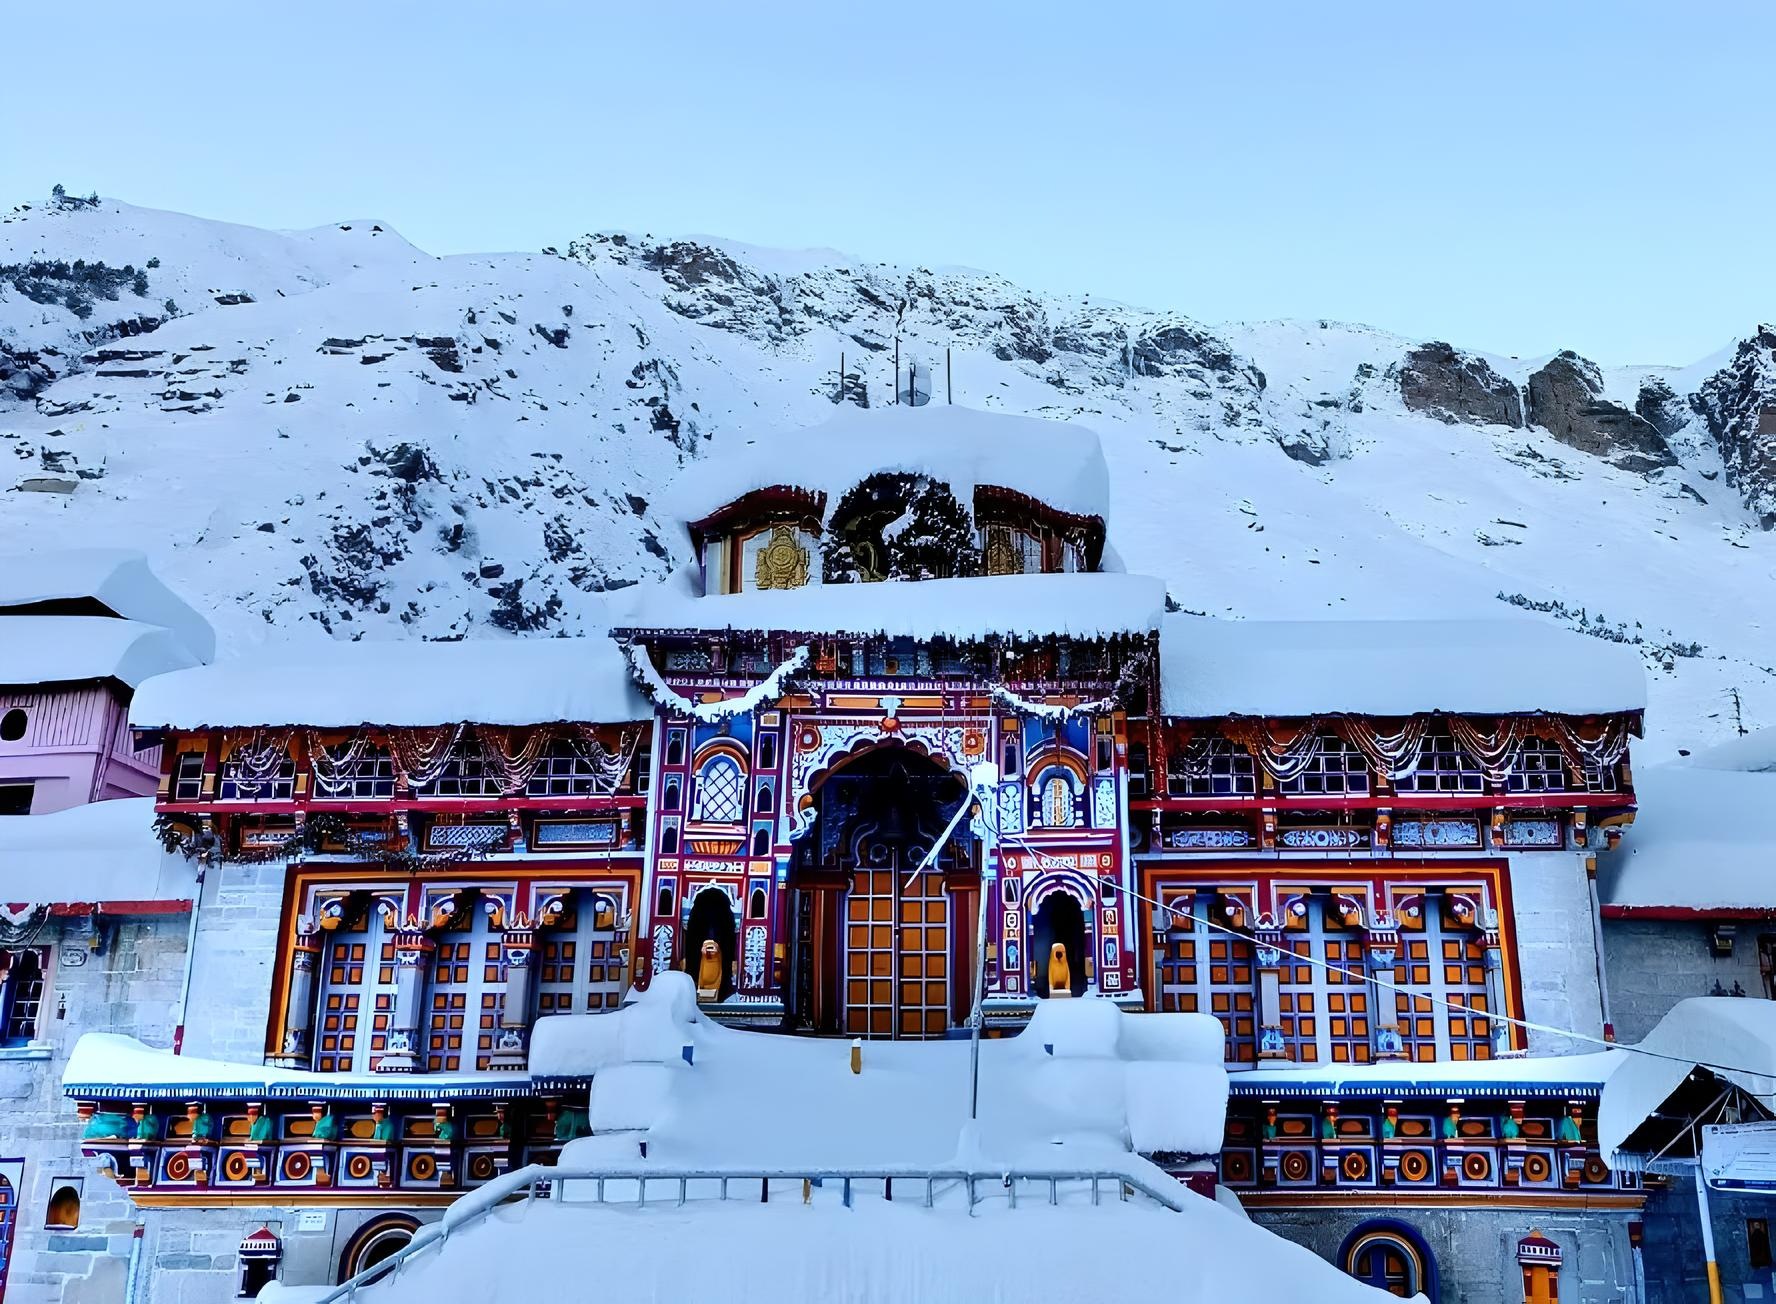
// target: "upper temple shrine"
[[898, 728]]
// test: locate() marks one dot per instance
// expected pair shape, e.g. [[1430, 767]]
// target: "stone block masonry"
[[1655, 963], [237, 949]]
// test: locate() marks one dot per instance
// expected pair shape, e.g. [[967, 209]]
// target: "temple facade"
[[900, 741]]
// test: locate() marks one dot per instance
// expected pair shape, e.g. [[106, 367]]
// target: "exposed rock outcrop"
[[1454, 386], [1566, 399], [1739, 404]]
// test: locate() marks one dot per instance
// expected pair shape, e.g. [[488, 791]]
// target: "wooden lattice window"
[[1443, 766], [21, 998], [1227, 771], [357, 998], [1540, 767], [468, 983], [464, 775], [1442, 962], [370, 776], [235, 785], [1336, 769], [721, 792], [1323, 1009], [579, 962], [187, 782], [1200, 970]]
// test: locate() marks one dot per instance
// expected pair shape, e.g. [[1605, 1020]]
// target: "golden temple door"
[[897, 952]]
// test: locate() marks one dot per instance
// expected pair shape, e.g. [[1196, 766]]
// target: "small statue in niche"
[[1060, 974], [709, 971]]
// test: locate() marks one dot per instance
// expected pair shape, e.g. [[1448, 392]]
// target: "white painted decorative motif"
[[662, 947], [754, 957], [1104, 802]]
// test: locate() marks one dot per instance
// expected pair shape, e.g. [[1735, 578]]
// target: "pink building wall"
[[76, 746]]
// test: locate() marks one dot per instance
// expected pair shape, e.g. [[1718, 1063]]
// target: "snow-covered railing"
[[645, 1185]]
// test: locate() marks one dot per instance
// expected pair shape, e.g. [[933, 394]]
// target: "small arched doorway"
[[712, 920], [376, 1242], [1392, 1257], [1058, 921]]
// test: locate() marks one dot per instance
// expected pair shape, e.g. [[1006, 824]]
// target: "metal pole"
[[1714, 1281], [976, 1017], [949, 386]]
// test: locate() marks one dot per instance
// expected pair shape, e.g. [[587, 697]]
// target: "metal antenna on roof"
[[949, 388]]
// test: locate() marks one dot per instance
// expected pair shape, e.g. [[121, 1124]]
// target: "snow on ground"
[[265, 454], [873, 1253]]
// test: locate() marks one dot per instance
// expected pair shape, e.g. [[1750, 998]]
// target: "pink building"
[[79, 630]]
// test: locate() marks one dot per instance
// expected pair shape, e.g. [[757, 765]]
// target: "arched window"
[[763, 805], [761, 840], [375, 1242], [1390, 1256], [12, 725], [64, 1205], [675, 747], [720, 791], [673, 792], [1057, 803], [669, 838], [755, 907]]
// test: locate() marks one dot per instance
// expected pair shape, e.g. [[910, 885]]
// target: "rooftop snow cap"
[[1213, 668], [1058, 464], [100, 582]]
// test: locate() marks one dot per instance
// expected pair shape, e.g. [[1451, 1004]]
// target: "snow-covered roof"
[[64, 649], [1214, 667], [341, 685], [108, 1065], [104, 851], [117, 578], [1075, 605], [1082, 1072], [1701, 842], [1733, 1037], [1582, 1074], [1055, 462]]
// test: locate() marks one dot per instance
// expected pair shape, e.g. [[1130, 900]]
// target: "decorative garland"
[[1127, 678], [314, 833], [765, 694]]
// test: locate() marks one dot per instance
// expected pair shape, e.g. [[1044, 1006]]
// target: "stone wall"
[[1556, 949], [130, 985], [1672, 1250], [1476, 1249], [237, 949], [1652, 964]]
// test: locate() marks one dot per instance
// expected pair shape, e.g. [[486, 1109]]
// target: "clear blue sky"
[[1511, 176]]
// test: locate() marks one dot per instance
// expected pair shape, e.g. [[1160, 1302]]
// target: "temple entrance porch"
[[880, 945]]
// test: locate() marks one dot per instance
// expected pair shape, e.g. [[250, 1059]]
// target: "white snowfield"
[[1057, 463], [104, 851], [119, 579], [500, 681], [1506, 666], [249, 453]]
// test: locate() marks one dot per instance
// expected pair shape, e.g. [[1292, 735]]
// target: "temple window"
[[1336, 769], [187, 784], [1009, 769], [1059, 810], [675, 746], [1323, 1007], [669, 839], [357, 996], [663, 906], [370, 775], [239, 781], [755, 906], [767, 751], [1227, 770], [1443, 767], [571, 769], [64, 1204], [1011, 551], [763, 804], [1202, 970], [1386, 1255], [673, 794], [579, 968], [720, 793], [761, 840], [21, 997], [1441, 961], [464, 775], [1540, 767], [462, 1018], [12, 725]]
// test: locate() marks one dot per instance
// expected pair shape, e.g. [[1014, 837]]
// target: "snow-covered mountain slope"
[[385, 444]]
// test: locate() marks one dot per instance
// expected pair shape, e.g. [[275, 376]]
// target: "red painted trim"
[[1411, 801], [435, 805], [1691, 913], [67, 909]]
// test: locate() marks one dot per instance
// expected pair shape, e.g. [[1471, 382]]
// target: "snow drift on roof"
[[116, 577], [1071, 1076], [342, 685], [103, 851], [65, 649], [1734, 1034], [1055, 462], [1590, 1069], [1073, 605], [1701, 841], [1391, 667]]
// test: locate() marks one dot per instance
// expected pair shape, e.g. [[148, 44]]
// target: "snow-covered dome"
[[898, 492]]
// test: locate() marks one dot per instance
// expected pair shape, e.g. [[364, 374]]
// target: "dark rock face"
[[1454, 386], [1566, 399], [1739, 404], [1661, 407]]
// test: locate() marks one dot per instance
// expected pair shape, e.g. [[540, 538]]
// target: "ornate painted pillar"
[[1380, 949], [511, 1049], [1269, 948], [413, 950], [299, 1001]]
